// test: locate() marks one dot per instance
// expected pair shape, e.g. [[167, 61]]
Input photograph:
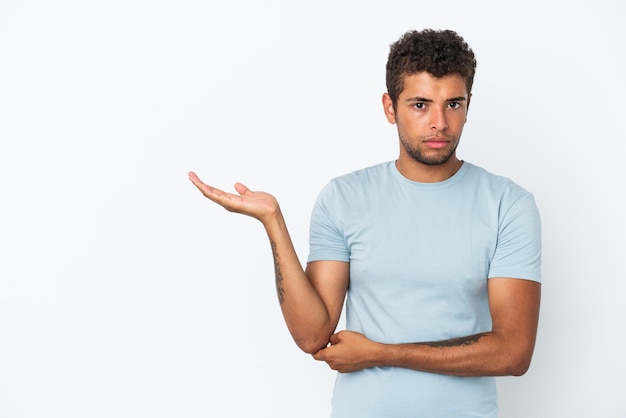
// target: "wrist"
[[274, 221], [379, 354]]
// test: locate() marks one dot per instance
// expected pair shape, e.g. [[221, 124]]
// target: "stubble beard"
[[435, 158]]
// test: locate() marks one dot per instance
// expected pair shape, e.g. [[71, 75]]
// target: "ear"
[[388, 108], [469, 99]]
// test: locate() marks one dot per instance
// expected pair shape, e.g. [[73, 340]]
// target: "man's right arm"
[[311, 301]]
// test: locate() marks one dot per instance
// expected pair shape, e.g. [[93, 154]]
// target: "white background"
[[124, 293]]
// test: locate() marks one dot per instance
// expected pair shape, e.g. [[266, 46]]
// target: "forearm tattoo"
[[455, 342], [278, 274]]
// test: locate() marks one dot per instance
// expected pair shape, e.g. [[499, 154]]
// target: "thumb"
[[241, 189], [320, 355]]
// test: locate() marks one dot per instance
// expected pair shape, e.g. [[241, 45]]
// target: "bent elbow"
[[311, 346], [518, 366], [519, 371]]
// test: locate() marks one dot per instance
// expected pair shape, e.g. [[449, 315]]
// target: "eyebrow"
[[423, 99]]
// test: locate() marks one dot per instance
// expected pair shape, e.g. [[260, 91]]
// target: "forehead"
[[424, 84]]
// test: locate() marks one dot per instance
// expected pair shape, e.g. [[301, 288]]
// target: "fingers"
[[209, 191], [226, 200], [194, 178], [322, 353], [319, 356], [197, 182], [331, 358], [229, 201], [206, 189]]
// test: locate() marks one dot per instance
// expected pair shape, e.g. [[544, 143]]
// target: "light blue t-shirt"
[[420, 256]]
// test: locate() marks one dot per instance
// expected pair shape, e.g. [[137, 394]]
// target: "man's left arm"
[[505, 350]]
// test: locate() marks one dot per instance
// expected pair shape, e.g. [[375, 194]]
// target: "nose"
[[438, 120]]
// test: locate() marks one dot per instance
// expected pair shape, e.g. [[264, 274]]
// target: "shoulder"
[[514, 206], [494, 184], [365, 175], [358, 180], [355, 190]]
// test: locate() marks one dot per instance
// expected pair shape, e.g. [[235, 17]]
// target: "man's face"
[[430, 115]]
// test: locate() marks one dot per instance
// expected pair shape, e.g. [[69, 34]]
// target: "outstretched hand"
[[259, 205]]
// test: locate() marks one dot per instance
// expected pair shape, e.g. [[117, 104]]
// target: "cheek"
[[413, 123], [457, 123]]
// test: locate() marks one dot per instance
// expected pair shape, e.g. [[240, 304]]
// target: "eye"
[[420, 105], [454, 105]]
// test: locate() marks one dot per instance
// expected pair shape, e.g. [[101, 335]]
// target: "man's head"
[[439, 53]]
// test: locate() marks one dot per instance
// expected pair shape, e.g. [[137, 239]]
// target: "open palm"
[[259, 205]]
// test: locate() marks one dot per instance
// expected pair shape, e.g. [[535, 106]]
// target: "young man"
[[439, 259]]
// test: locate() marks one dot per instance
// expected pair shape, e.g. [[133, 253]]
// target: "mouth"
[[437, 142]]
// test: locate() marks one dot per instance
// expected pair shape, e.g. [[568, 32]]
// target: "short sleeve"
[[518, 248], [326, 239]]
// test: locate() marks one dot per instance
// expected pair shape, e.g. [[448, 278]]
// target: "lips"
[[437, 143]]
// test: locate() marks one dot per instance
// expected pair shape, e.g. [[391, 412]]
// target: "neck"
[[424, 173]]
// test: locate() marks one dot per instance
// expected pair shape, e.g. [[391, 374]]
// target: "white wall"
[[123, 293]]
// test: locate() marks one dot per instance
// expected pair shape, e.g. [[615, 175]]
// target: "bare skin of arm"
[[506, 350], [311, 300]]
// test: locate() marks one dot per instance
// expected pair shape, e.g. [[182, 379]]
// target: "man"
[[439, 260]]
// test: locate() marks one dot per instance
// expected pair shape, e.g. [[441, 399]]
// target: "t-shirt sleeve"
[[326, 240], [518, 248]]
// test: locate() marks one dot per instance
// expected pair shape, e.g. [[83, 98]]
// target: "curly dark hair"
[[439, 53]]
